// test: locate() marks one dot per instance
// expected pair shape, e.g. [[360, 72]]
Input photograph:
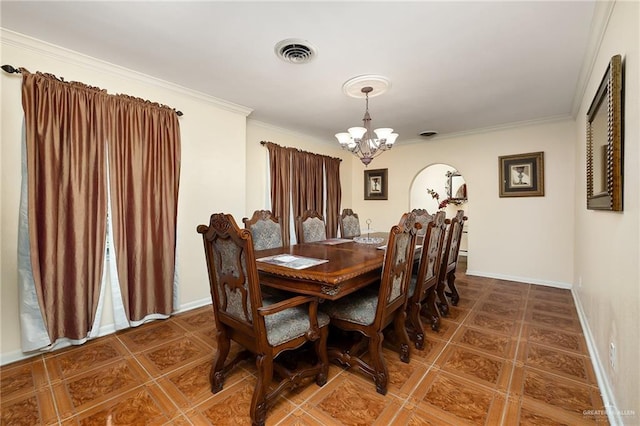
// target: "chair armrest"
[[286, 304], [313, 331]]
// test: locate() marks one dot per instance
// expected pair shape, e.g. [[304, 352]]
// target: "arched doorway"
[[441, 186]]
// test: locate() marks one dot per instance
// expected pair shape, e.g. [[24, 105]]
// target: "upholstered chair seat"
[[289, 324], [359, 307]]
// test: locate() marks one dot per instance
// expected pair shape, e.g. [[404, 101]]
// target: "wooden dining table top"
[[349, 266]]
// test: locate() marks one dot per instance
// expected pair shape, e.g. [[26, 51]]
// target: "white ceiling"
[[453, 66]]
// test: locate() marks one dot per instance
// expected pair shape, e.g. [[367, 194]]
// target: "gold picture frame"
[[605, 141], [375, 184], [522, 175]]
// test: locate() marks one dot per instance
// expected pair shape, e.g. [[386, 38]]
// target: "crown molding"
[[599, 23], [508, 126], [42, 48]]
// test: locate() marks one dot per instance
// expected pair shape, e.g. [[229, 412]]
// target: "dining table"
[[328, 269]]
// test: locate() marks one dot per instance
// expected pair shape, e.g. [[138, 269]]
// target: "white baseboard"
[[526, 280], [611, 408], [105, 330]]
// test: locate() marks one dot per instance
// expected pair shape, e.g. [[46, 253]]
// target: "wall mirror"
[[604, 142], [456, 187]]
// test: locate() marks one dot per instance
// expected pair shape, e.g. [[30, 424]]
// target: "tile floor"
[[509, 354]]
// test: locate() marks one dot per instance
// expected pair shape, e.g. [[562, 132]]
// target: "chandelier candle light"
[[362, 141]]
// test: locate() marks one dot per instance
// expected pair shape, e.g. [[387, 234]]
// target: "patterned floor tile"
[[231, 407], [150, 335], [555, 321], [86, 357], [476, 366], [555, 391], [29, 408], [196, 319], [486, 341], [97, 386], [23, 378], [524, 411], [433, 346], [350, 400], [174, 354], [457, 400], [510, 312], [144, 405], [571, 366], [498, 324], [559, 339]]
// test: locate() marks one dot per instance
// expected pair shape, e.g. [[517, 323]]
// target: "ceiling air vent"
[[295, 51], [428, 133]]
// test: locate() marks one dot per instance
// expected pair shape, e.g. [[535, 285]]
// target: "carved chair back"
[[349, 224], [266, 230], [311, 227]]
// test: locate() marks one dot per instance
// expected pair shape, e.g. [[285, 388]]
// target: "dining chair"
[[349, 224], [422, 295], [450, 262], [311, 227], [423, 218], [266, 230], [369, 311], [263, 326]]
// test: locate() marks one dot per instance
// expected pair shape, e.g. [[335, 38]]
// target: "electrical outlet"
[[612, 355], [579, 282]]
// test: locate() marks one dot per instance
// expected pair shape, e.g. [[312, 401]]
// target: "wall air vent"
[[295, 51]]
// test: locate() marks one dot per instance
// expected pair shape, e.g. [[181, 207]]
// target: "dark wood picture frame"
[[605, 141], [522, 175], [375, 184]]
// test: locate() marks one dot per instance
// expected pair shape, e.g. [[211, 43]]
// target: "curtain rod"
[[12, 70], [263, 143]]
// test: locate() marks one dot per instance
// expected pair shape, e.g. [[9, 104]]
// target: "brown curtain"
[[144, 172], [280, 171], [67, 207], [307, 184], [334, 195]]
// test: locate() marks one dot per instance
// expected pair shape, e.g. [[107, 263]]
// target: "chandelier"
[[362, 141]]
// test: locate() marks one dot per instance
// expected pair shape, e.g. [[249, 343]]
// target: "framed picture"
[[375, 184], [604, 142], [522, 175]]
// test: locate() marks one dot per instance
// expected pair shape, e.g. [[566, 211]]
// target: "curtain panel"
[[307, 185], [334, 195], [86, 150], [280, 171], [67, 199], [144, 172], [297, 182]]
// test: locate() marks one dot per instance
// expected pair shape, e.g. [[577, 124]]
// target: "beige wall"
[[527, 239], [212, 166], [607, 243]]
